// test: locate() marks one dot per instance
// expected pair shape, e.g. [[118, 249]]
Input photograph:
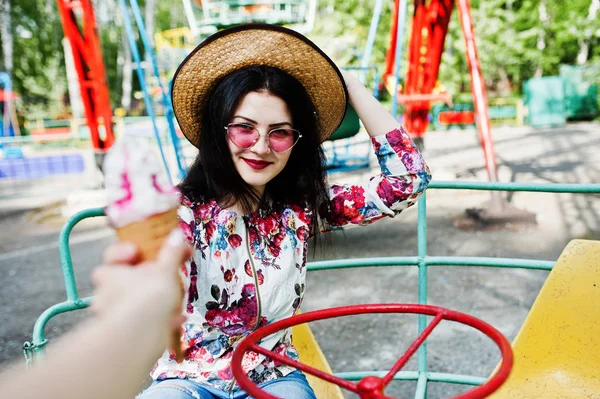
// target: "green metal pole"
[[414, 376], [363, 262], [421, 392], [532, 187], [467, 261], [459, 261], [65, 253], [39, 341]]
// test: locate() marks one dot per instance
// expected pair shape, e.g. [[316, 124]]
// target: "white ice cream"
[[136, 183]]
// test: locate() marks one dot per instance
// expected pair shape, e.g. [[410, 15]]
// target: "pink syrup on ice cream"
[[137, 185]]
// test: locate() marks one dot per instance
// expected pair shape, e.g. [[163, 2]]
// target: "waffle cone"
[[148, 235]]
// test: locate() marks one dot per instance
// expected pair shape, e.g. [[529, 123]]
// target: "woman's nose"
[[262, 145]]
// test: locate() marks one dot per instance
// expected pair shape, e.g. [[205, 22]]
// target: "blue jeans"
[[292, 386]]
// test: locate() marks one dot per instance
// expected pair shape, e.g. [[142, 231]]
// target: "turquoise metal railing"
[[422, 261]]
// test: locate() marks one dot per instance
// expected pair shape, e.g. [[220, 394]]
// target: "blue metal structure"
[[166, 100], [371, 39], [7, 127]]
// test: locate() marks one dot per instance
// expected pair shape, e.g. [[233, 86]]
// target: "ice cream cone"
[[142, 204], [149, 234]]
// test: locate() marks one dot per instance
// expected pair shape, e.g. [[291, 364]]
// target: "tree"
[[38, 70], [7, 36]]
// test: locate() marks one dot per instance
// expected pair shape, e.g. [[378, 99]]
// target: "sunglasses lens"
[[282, 140], [243, 136]]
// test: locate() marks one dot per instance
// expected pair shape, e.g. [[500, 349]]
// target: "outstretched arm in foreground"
[[110, 355]]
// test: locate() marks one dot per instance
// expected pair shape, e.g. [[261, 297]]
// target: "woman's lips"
[[256, 164]]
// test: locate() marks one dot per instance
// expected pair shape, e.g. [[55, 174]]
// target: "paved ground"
[[32, 281]]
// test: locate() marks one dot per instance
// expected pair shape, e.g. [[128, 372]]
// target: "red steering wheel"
[[371, 387]]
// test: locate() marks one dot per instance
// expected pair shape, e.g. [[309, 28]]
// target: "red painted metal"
[[8, 96], [87, 57], [456, 118], [414, 119], [414, 48], [50, 131], [412, 349], [412, 98], [439, 12], [430, 25], [371, 387], [479, 93], [391, 51]]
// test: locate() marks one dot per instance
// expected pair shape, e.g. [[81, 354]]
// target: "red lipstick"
[[256, 164]]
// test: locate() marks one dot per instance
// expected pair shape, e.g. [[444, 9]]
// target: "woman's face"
[[259, 164]]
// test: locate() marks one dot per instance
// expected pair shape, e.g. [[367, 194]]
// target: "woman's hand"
[[150, 290], [376, 119], [349, 78]]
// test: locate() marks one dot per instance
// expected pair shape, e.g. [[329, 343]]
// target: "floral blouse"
[[248, 271]]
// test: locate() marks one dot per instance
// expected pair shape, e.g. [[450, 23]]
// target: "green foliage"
[[38, 71], [343, 30]]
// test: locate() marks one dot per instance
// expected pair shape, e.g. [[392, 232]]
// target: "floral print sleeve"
[[404, 176]]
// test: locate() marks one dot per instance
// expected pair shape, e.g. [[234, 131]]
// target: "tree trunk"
[[504, 85], [584, 42], [127, 76], [541, 41], [7, 37]]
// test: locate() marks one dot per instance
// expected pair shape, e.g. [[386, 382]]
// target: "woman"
[[257, 101]]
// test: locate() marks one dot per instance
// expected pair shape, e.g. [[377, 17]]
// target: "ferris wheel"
[[207, 16]]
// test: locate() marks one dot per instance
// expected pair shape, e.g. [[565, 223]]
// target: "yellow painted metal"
[[312, 355], [557, 351], [175, 38]]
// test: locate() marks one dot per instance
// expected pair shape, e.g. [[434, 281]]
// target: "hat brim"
[[256, 45]]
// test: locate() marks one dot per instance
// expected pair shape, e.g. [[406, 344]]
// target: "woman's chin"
[[256, 182]]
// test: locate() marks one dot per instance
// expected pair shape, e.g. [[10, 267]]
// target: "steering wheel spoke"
[[305, 368], [412, 349], [370, 387]]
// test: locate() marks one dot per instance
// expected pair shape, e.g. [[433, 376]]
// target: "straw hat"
[[256, 45]]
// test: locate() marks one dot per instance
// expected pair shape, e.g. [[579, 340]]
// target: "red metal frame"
[[413, 98], [429, 28], [391, 53], [371, 387], [456, 118], [87, 56], [478, 90]]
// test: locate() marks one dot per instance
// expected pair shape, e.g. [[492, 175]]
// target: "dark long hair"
[[213, 174]]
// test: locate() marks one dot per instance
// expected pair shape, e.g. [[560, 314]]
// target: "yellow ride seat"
[[557, 351], [311, 355]]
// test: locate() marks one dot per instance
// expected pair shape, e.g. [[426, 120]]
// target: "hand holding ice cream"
[[142, 204]]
